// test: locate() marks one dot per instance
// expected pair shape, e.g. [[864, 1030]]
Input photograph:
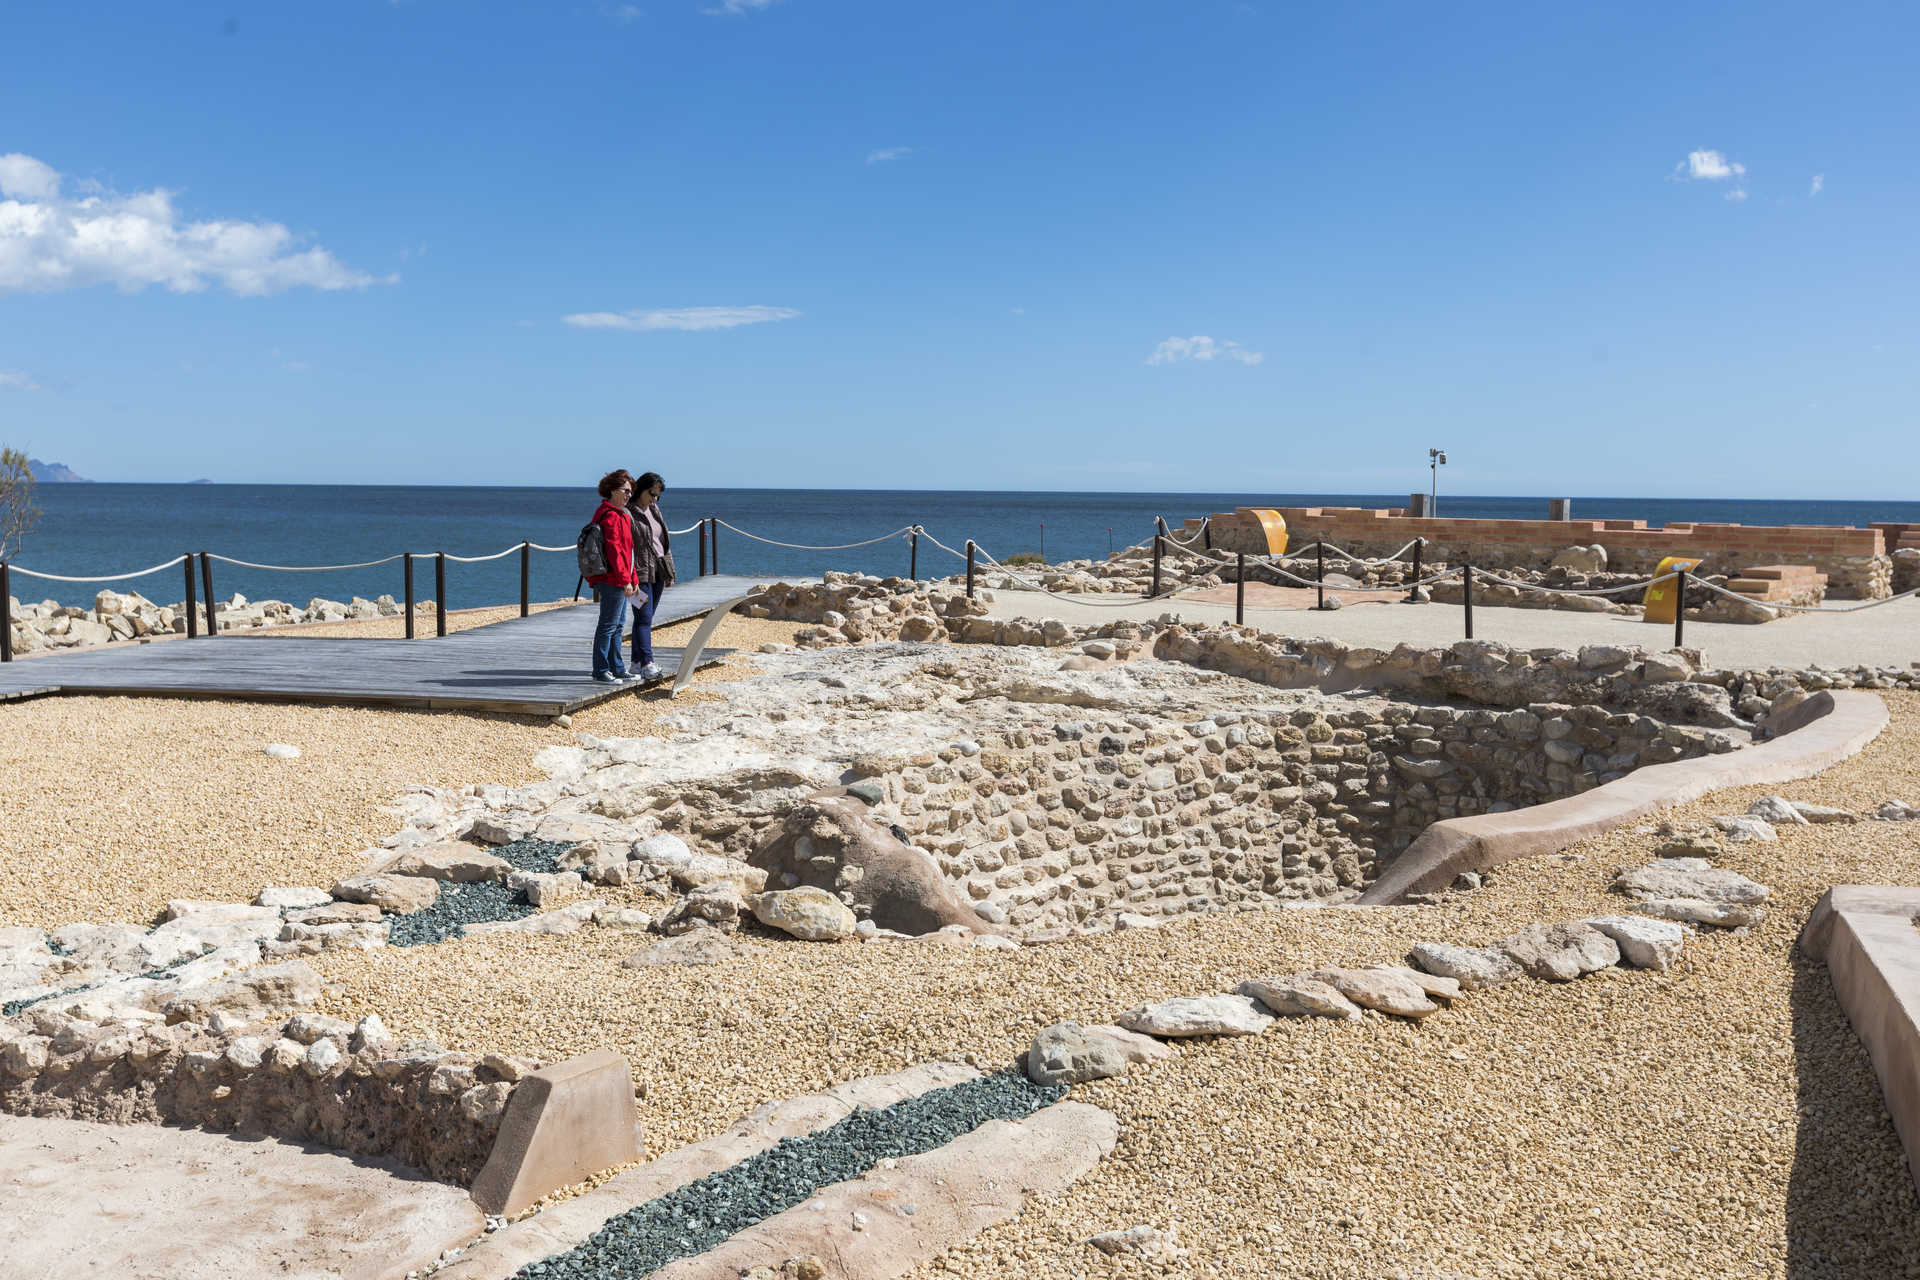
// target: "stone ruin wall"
[[1077, 823], [1858, 562]]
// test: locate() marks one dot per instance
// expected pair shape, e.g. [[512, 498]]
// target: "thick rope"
[[1804, 608], [111, 577], [302, 568], [799, 546]]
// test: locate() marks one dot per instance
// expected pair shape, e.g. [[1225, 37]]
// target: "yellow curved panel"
[[1661, 595], [1275, 527]]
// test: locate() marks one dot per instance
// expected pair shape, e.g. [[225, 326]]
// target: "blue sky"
[[1149, 246]]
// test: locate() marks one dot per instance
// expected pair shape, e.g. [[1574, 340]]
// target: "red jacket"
[[616, 535]]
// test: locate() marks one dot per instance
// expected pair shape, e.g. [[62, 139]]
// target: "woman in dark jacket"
[[652, 569], [614, 587]]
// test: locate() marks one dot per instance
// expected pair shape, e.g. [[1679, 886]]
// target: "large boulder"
[[811, 914], [830, 842], [1589, 559]]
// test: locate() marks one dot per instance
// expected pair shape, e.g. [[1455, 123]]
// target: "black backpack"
[[592, 551]]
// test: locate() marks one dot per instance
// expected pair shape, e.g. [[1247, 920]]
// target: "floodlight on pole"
[[1436, 459]]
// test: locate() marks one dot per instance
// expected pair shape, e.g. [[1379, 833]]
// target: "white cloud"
[[24, 178], [884, 154], [622, 13], [1818, 185], [690, 318], [50, 242], [15, 381], [1737, 194], [1710, 166], [1174, 350], [738, 8]]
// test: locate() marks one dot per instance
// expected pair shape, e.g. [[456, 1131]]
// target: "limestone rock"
[[1065, 1054], [666, 857], [1298, 994], [252, 994], [1643, 943], [1823, 813], [1588, 559], [293, 897], [1704, 842], [1747, 829], [306, 1028], [460, 863], [1475, 969], [1700, 911], [830, 841], [1142, 1241], [1779, 811], [1689, 878], [1226, 1015], [1897, 811], [545, 889], [564, 921], [711, 905], [399, 894], [1561, 952], [707, 946], [811, 914], [1382, 989]]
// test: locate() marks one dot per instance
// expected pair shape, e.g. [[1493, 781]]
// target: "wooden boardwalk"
[[532, 666]]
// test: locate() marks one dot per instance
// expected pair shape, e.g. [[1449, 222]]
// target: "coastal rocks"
[[811, 914], [1223, 1015], [401, 895], [1068, 1053], [1385, 990], [459, 863], [1475, 969], [293, 897], [1561, 952]]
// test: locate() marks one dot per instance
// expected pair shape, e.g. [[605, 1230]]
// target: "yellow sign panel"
[[1663, 592], [1275, 527]]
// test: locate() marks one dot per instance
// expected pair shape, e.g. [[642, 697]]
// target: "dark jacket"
[[646, 566], [616, 535]]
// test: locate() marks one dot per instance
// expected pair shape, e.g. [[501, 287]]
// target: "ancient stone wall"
[[1856, 561], [1091, 818]]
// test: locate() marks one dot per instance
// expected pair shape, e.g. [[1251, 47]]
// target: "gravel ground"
[[1717, 1120], [111, 806]]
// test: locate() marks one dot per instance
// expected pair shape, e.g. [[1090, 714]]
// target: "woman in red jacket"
[[613, 587]]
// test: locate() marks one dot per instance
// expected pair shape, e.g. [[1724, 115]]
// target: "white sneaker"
[[652, 671], [607, 677]]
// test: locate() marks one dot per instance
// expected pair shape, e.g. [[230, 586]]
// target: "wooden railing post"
[[6, 612], [1320, 574], [440, 593], [913, 555], [969, 568], [1419, 545], [192, 606], [1155, 594], [713, 548], [1240, 591], [703, 548], [526, 575], [206, 586], [406, 562], [1468, 580]]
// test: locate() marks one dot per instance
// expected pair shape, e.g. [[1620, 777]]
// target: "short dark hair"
[[613, 480], [648, 480]]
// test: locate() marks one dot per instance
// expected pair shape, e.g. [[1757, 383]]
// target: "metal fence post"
[[206, 585], [913, 555], [1679, 607], [1155, 594], [1206, 531], [1419, 545], [713, 551], [703, 548], [6, 612], [440, 593], [1320, 575], [1469, 598], [192, 605], [526, 575], [969, 568], [1240, 592], [406, 562]]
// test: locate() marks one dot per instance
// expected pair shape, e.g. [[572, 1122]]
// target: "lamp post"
[[1436, 459]]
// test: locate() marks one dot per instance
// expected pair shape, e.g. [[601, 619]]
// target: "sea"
[[95, 530]]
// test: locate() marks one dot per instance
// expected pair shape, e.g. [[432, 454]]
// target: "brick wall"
[[1856, 561]]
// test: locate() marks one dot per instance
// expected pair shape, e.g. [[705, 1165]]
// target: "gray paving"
[[534, 666]]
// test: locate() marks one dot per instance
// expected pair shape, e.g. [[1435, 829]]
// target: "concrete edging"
[[1836, 725], [563, 1123], [1866, 936]]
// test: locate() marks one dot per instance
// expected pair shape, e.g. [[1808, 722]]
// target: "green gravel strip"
[[701, 1215], [460, 905]]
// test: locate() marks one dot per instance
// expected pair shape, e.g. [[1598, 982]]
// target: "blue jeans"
[[643, 606], [606, 632]]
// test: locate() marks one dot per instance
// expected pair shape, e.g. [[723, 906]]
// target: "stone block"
[[562, 1124]]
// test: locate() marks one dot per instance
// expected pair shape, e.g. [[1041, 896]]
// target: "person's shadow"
[[1852, 1210]]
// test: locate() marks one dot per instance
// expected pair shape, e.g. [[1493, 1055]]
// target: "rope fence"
[[973, 556]]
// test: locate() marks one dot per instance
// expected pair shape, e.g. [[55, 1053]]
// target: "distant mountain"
[[55, 472]]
